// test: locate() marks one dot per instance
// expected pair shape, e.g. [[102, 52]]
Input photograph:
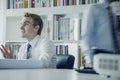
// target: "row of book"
[[15, 4], [61, 28], [62, 49], [65, 27]]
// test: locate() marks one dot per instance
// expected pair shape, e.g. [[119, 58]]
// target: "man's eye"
[[26, 23]]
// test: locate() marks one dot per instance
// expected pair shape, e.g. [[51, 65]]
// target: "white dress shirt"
[[41, 49], [96, 30]]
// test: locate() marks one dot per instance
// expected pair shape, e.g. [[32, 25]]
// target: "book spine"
[[25, 3], [29, 3], [15, 4], [11, 4], [8, 4], [32, 3]]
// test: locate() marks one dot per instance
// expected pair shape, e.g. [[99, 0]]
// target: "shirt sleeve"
[[47, 50]]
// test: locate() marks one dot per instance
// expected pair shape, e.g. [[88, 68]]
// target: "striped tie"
[[113, 29], [28, 51]]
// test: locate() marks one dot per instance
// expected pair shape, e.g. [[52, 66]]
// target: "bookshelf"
[[12, 17]]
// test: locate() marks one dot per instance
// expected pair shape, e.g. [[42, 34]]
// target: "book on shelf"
[[10, 4], [80, 58], [20, 3], [80, 22], [32, 4], [29, 4], [37, 3], [63, 27], [25, 3], [56, 27]]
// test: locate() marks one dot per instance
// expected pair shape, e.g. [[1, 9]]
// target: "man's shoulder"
[[45, 41]]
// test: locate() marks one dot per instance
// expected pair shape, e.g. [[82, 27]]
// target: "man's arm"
[[47, 51], [88, 36]]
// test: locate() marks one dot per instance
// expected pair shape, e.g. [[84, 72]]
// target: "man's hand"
[[6, 53], [87, 62], [90, 65]]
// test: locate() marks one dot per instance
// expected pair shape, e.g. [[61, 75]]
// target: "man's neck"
[[31, 38]]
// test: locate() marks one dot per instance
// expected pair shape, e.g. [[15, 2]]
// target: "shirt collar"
[[34, 41]]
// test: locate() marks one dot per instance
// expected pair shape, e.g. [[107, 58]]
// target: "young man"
[[96, 30], [35, 48]]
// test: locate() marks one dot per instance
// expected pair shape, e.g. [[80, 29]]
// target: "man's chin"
[[23, 36]]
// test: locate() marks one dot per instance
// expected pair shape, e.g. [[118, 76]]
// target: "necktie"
[[113, 29], [28, 51]]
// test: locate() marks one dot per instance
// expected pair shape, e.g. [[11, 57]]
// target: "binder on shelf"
[[25, 4]]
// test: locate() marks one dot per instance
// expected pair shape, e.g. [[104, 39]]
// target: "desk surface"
[[45, 74]]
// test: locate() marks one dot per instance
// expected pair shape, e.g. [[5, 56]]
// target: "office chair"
[[65, 61]]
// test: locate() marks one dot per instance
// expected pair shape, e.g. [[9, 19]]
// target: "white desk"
[[45, 74]]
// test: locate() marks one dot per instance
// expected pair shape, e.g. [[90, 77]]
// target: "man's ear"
[[36, 28]]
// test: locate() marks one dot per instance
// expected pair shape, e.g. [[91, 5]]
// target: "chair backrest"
[[65, 61]]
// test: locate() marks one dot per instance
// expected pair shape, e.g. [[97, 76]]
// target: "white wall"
[[2, 22]]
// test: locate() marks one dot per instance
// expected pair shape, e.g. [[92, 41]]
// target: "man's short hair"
[[36, 21]]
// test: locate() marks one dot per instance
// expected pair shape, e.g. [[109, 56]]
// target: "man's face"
[[27, 29]]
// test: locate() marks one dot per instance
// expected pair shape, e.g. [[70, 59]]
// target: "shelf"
[[47, 10], [16, 41], [66, 41], [54, 41]]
